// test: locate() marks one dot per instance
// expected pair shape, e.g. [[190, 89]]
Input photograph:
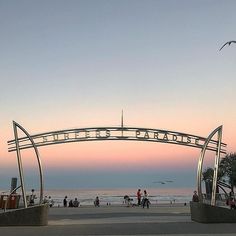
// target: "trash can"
[[9, 201], [13, 201], [3, 201]]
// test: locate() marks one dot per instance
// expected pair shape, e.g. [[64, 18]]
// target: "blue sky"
[[78, 63]]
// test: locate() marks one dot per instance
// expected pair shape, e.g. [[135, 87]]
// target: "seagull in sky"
[[162, 182], [159, 182], [228, 44]]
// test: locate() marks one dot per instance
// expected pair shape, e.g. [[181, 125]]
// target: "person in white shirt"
[[145, 199]]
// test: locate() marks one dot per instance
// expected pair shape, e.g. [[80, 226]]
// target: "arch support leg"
[[216, 165], [15, 126]]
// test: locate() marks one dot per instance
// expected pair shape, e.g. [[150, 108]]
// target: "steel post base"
[[31, 216], [205, 213]]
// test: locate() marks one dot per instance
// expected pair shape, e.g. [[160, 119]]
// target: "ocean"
[[116, 195]]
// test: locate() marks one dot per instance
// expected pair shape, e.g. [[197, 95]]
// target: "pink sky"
[[73, 64], [111, 154]]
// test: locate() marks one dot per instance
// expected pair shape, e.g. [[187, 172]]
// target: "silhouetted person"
[[65, 201], [232, 203], [96, 202], [75, 203], [195, 197], [32, 198], [71, 203], [139, 194], [50, 201]]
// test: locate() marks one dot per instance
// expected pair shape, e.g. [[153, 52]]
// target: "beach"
[[116, 214], [160, 219], [115, 196]]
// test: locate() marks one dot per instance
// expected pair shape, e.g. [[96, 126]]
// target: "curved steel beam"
[[216, 167], [15, 125], [200, 163], [115, 133], [19, 164]]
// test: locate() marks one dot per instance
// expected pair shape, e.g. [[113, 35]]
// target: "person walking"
[[139, 194], [145, 199]]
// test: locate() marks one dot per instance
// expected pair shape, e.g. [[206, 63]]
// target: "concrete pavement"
[[120, 220]]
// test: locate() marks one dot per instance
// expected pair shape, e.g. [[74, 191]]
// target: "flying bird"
[[163, 182], [159, 182], [228, 44]]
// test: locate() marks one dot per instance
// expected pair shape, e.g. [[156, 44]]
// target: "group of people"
[[143, 201], [46, 200], [49, 201], [76, 203], [71, 203]]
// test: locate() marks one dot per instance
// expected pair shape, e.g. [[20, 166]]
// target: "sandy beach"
[[162, 219]]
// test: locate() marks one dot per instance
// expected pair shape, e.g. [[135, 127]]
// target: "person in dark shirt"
[[232, 203], [139, 197], [195, 197], [96, 202], [65, 201], [75, 203]]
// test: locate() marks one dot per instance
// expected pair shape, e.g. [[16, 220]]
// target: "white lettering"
[[137, 133], [76, 135], [156, 135], [188, 139], [108, 133], [165, 137], [87, 134], [146, 135], [98, 134], [174, 137]]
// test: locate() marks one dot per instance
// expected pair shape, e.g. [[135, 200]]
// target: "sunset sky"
[[74, 64]]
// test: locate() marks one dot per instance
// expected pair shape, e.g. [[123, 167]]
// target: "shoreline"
[[162, 204]]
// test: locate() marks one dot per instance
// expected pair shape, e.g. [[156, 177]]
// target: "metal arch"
[[15, 125], [200, 163], [46, 139], [115, 133]]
